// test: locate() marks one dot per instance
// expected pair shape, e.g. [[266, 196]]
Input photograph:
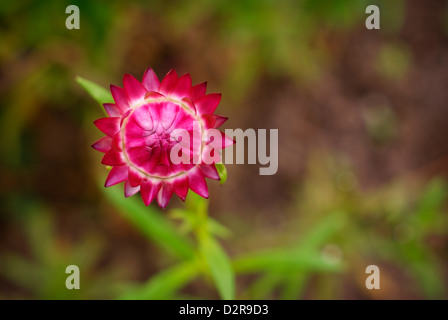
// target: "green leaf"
[[304, 257], [294, 286], [284, 260], [430, 206], [97, 92], [222, 171], [20, 271], [152, 223], [220, 267], [217, 229], [191, 221], [165, 284], [322, 231], [264, 286]]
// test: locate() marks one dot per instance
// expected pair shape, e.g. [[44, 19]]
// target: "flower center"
[[148, 137]]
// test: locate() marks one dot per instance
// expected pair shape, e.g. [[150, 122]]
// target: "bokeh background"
[[363, 152]]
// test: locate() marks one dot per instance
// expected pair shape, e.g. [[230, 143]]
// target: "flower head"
[[141, 137]]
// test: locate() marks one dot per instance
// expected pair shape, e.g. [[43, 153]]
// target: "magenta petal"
[[169, 82], [154, 159], [167, 113], [183, 121], [116, 175], [134, 177], [189, 104], [142, 157], [226, 140], [198, 91], [161, 170], [129, 190], [197, 183], [142, 117], [150, 80], [134, 89], [181, 187], [208, 120], [120, 97], [153, 95], [196, 138], [113, 158], [109, 126], [209, 171], [183, 86], [219, 120], [139, 125], [208, 103], [125, 116], [149, 191], [112, 109], [165, 194], [103, 145], [116, 142]]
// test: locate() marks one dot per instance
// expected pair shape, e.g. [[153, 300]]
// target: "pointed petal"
[[116, 175], [208, 120], [183, 86], [109, 126], [120, 97], [103, 145], [189, 104], [197, 183], [183, 121], [165, 194], [196, 139], [134, 177], [134, 89], [124, 116], [219, 120], [148, 190], [209, 171], [226, 140], [116, 142], [208, 103], [153, 95], [150, 80], [112, 110], [129, 190], [113, 158], [169, 82], [198, 91], [181, 187]]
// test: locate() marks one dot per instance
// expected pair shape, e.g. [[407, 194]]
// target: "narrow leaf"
[[281, 260], [220, 267], [222, 171], [97, 92], [150, 222], [165, 284]]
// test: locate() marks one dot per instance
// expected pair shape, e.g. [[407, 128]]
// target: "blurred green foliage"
[[42, 274]]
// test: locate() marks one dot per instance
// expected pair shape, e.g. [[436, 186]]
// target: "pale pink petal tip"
[[103, 145], [129, 190], [134, 89], [150, 80]]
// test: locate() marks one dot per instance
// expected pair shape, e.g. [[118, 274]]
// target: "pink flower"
[[139, 136]]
